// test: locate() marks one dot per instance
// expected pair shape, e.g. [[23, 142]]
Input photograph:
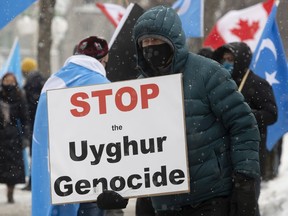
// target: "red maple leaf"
[[245, 31]]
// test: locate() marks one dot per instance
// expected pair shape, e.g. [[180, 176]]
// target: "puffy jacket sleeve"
[[228, 105]]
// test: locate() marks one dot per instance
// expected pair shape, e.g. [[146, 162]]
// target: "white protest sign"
[[125, 136]]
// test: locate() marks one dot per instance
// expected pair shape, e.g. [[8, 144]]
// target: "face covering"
[[228, 66], [158, 55], [9, 88]]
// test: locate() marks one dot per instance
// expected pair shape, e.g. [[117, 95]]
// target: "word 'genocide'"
[[147, 92], [65, 185]]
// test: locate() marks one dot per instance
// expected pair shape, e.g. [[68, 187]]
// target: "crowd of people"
[[227, 111]]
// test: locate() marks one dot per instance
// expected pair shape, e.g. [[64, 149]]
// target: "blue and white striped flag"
[[13, 63], [79, 70], [191, 15], [9, 9]]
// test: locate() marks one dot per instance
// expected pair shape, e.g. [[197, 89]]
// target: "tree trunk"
[[45, 37]]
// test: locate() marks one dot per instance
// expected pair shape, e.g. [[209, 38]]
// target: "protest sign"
[[124, 136]]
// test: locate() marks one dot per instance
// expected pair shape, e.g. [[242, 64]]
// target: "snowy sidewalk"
[[273, 198], [22, 205]]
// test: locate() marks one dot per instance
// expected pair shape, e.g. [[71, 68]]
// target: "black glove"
[[244, 198], [111, 200]]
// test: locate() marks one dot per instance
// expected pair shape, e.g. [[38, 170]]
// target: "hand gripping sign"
[[125, 136]]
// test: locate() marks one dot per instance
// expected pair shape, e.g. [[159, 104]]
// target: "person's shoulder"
[[98, 78], [203, 64], [202, 59], [258, 79]]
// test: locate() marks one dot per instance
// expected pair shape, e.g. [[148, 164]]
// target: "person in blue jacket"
[[86, 67]]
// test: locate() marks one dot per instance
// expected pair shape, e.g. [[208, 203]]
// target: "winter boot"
[[10, 192]]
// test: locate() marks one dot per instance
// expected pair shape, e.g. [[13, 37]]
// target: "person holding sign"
[[222, 133], [86, 67]]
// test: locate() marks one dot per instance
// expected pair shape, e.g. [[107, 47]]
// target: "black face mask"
[[158, 55], [9, 88]]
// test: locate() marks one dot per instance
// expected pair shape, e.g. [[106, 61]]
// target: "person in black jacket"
[[14, 133], [33, 84], [34, 81], [257, 92], [236, 58]]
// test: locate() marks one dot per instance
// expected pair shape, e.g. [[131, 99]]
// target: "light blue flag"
[[9, 9], [269, 62], [191, 15], [80, 73], [13, 63]]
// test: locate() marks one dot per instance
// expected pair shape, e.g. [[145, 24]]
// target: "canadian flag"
[[244, 25], [113, 12]]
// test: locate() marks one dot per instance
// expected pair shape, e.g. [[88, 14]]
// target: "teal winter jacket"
[[222, 133]]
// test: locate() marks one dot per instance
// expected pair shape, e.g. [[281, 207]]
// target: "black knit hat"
[[93, 46]]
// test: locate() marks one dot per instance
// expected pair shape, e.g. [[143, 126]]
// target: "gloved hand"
[[244, 199], [111, 200]]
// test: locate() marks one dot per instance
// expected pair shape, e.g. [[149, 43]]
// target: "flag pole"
[[277, 2], [5, 69], [243, 80]]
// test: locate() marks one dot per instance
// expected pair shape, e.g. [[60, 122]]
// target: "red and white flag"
[[113, 12], [244, 25]]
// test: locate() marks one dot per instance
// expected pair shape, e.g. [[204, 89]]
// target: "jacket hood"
[[242, 58], [163, 23]]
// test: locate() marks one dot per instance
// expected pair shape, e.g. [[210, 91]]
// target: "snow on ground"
[[22, 205], [273, 199]]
